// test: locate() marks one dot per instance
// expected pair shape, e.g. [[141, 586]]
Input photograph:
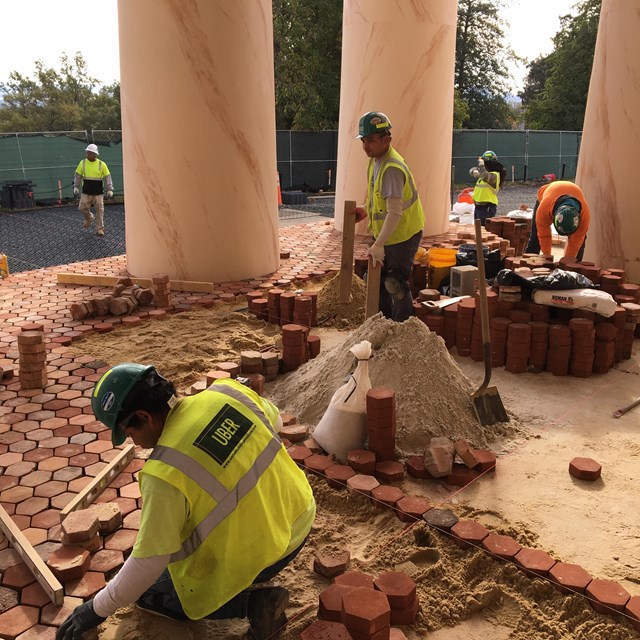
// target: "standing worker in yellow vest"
[[225, 508], [490, 175], [90, 173], [395, 215]]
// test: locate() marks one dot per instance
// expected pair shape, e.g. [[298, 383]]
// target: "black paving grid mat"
[[54, 236]]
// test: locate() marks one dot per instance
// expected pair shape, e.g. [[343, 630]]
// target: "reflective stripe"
[[84, 170], [227, 500]]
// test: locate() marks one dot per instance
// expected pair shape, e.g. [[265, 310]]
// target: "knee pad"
[[395, 287]]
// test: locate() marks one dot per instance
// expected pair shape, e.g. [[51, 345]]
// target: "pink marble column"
[[198, 121], [610, 149], [398, 57]]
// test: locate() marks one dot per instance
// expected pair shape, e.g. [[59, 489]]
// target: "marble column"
[[610, 148], [199, 146], [398, 57]]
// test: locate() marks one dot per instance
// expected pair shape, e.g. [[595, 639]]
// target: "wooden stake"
[[109, 281], [373, 289], [100, 482], [348, 237], [29, 555]]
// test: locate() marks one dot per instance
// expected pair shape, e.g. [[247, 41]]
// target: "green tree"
[[557, 85], [307, 38], [481, 73], [64, 99]]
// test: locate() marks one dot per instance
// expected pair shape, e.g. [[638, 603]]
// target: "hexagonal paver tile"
[[361, 484], [325, 630], [442, 519], [534, 561], [35, 536], [18, 576], [467, 533], [69, 563], [15, 495], [329, 564], [34, 595], [35, 479], [569, 577], [366, 611], [632, 609], [94, 469], [7, 459], [55, 464], [132, 521], [62, 500], [106, 561], [52, 615], [46, 519], [17, 620], [8, 599], [87, 586], [607, 596], [122, 540], [38, 632], [411, 508], [38, 455], [355, 579], [20, 469], [80, 525], [66, 474], [330, 602], [503, 547], [50, 488], [399, 588], [386, 497], [585, 469]]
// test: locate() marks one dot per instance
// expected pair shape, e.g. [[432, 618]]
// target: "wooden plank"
[[348, 237], [100, 482], [109, 281], [30, 557], [373, 289]]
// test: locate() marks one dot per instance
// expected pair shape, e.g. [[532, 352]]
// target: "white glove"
[[377, 254], [109, 194], [480, 162], [474, 172], [76, 191]]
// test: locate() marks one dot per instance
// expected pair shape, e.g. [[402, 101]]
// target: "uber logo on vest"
[[224, 435]]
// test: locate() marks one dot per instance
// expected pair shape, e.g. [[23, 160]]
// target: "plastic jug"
[[439, 263]]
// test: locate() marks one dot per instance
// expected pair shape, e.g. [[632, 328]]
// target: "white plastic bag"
[[599, 302], [343, 427]]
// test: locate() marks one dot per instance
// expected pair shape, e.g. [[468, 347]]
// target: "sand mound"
[[432, 394], [342, 314]]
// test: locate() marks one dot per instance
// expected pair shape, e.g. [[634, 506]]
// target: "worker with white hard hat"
[[90, 174]]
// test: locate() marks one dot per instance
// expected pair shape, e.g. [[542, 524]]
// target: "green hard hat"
[[373, 122], [111, 392], [566, 216], [489, 155]]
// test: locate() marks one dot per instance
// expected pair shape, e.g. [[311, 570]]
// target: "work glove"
[[377, 254], [76, 191], [361, 214], [480, 162], [109, 194], [474, 172], [81, 620]]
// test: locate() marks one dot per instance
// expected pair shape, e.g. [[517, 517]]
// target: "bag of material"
[[599, 302], [343, 427]]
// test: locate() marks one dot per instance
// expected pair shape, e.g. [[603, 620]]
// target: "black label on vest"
[[224, 435]]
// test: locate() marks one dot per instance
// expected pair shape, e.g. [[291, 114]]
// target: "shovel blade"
[[488, 406]]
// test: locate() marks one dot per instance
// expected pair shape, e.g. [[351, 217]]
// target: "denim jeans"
[[484, 211], [398, 262], [164, 591]]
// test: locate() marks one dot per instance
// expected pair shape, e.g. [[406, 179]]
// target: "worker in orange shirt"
[[562, 204]]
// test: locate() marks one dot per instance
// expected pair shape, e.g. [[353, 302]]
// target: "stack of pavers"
[[32, 359], [516, 231], [161, 290], [381, 423]]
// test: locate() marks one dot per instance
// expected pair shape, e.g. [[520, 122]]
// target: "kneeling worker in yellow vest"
[[224, 506]]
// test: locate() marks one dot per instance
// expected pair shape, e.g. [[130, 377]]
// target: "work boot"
[[87, 223], [266, 612], [100, 232]]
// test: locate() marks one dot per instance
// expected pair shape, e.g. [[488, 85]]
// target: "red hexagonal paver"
[[330, 602], [569, 577], [362, 461], [632, 609], [20, 469], [329, 564], [467, 533], [53, 615], [337, 476], [366, 611], [17, 577], [87, 586], [317, 463], [504, 547], [50, 488], [534, 561], [385, 497], [389, 471], [15, 495], [34, 595], [32, 506], [46, 519], [607, 596], [69, 563], [54, 464], [38, 632], [399, 588], [17, 620], [355, 579], [324, 630], [122, 540], [35, 536], [585, 469], [106, 560], [411, 508], [362, 484]]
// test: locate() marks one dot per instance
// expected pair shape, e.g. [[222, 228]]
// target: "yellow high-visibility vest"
[[484, 192]]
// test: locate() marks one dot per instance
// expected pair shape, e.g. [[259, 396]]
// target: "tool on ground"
[[348, 237], [620, 412], [486, 400], [436, 306], [373, 289]]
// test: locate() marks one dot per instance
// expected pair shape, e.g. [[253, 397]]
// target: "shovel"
[[486, 400]]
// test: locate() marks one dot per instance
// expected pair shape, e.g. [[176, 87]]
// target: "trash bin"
[[295, 197], [17, 194]]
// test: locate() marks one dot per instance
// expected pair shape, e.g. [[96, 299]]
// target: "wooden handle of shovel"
[[348, 237], [373, 289]]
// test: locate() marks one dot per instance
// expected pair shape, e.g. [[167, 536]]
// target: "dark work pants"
[[533, 246], [398, 262], [484, 211], [163, 591]]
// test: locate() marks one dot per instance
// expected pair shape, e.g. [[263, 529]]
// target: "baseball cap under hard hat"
[[93, 148], [566, 216]]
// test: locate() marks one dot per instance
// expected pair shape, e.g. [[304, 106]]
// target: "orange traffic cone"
[[279, 191]]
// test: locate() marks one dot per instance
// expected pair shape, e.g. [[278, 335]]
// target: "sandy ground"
[[463, 594]]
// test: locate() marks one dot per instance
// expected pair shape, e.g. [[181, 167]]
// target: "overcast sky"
[[44, 29]]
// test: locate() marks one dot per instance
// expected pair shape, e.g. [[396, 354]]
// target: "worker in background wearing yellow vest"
[[90, 174], [395, 215], [225, 508], [490, 175]]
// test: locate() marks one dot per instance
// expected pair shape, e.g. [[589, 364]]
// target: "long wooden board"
[[109, 281], [373, 289], [29, 555], [348, 237], [100, 482]]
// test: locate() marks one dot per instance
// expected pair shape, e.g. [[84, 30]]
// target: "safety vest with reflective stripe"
[[95, 170], [484, 192], [244, 492], [412, 219]]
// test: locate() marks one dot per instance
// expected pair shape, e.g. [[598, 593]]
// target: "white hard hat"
[[93, 148]]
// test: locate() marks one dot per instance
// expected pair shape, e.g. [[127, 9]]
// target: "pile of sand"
[[432, 394], [346, 315]]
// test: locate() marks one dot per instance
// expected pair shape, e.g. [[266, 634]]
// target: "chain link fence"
[[306, 160]]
